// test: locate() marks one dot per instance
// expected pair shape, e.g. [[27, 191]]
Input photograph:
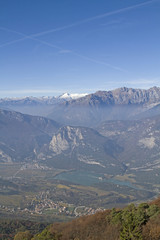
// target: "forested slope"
[[130, 223]]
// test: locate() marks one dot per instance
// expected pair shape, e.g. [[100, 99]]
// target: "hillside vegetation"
[[130, 223]]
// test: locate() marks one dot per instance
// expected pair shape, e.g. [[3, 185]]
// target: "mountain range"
[[40, 106], [106, 132], [120, 104], [92, 109]]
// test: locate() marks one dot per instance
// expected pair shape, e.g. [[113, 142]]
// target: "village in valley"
[[42, 205]]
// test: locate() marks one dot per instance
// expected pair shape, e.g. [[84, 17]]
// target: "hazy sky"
[[48, 47]]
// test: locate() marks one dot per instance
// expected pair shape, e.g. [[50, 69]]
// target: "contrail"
[[93, 18], [24, 38], [100, 62], [79, 22], [34, 36], [59, 48]]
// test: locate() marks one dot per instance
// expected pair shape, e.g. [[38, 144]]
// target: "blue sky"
[[48, 47]]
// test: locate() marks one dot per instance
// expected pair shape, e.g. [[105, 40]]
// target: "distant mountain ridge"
[[40, 100], [121, 96], [119, 104], [37, 106]]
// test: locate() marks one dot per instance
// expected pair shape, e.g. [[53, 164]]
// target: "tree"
[[23, 236], [131, 224], [47, 235]]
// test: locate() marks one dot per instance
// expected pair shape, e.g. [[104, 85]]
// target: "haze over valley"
[[106, 142], [79, 119]]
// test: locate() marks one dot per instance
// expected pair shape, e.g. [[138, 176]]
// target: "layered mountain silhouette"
[[124, 135], [90, 110], [120, 104]]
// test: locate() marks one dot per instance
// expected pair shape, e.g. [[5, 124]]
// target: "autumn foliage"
[[140, 222]]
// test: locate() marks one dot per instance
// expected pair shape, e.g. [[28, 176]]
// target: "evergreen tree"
[[23, 236]]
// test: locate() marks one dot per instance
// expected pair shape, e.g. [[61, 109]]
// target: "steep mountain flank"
[[140, 140], [21, 135], [81, 148]]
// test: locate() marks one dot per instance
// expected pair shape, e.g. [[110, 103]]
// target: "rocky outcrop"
[[67, 138]]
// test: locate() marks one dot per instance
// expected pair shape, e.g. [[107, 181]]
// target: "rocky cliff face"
[[136, 96], [67, 138], [81, 147]]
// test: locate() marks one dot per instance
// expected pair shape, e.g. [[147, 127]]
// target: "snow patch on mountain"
[[72, 95]]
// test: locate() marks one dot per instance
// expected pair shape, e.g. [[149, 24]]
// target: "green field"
[[21, 189]]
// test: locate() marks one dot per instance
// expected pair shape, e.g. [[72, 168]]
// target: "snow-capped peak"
[[65, 95], [72, 95]]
